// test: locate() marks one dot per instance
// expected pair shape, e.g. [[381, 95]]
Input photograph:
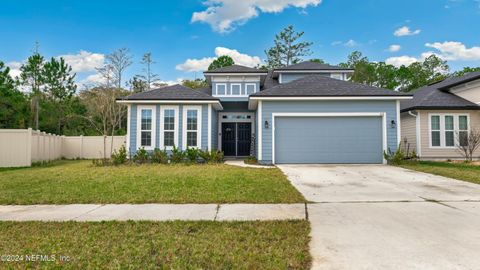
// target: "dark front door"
[[236, 139], [244, 135], [229, 134]]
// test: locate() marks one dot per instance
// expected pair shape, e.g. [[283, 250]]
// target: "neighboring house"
[[439, 113], [303, 113]]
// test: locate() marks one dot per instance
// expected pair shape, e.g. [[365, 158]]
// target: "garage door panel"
[[328, 140]]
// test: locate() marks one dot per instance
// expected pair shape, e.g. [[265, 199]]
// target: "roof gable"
[[309, 65], [316, 85], [173, 92], [235, 69]]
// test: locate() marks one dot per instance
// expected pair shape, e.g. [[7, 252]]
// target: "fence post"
[[81, 146], [29, 147]]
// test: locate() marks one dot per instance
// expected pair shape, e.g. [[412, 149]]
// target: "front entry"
[[236, 139]]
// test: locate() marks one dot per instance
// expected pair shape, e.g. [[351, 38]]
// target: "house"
[[303, 113], [439, 114]]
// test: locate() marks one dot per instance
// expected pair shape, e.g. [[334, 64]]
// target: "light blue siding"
[[269, 107], [214, 129], [332, 140], [203, 122], [133, 129]]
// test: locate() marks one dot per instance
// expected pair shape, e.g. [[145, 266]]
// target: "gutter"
[[417, 133]]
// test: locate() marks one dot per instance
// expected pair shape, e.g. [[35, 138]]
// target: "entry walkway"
[[153, 212]]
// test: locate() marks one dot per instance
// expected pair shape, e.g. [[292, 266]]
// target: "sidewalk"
[[153, 212]]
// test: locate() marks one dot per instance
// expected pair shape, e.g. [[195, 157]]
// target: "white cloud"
[[405, 31], [394, 48], [348, 43], [452, 51], [14, 68], [168, 82], [202, 64], [401, 61], [93, 79], [84, 61], [225, 15], [351, 43]]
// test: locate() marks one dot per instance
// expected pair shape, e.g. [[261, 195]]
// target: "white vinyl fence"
[[22, 147]]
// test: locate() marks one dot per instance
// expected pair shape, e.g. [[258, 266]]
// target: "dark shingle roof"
[[270, 81], [320, 85], [235, 69], [454, 81], [173, 92], [309, 65]]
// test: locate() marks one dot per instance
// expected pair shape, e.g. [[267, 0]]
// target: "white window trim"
[[456, 128], [216, 89], [162, 127], [359, 114], [139, 126], [199, 126], [231, 90], [254, 88]]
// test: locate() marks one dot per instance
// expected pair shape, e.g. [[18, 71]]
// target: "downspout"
[[417, 133]]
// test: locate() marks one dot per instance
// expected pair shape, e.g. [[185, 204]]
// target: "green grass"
[[67, 182], [159, 245], [460, 171]]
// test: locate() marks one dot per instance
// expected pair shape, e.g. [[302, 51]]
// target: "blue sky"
[[398, 32]]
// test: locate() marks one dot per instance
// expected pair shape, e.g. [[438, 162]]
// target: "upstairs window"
[[221, 89], [236, 89], [250, 88]]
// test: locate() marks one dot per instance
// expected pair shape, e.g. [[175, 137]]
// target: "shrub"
[[216, 156], [251, 160], [177, 155], [396, 157], [159, 156], [119, 157], [141, 156], [192, 154]]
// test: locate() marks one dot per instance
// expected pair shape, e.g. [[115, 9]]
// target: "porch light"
[[267, 125], [393, 124]]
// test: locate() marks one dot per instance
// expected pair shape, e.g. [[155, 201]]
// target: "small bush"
[[216, 156], [177, 156], [192, 154], [251, 160], [141, 156], [396, 157], [159, 156], [119, 157]]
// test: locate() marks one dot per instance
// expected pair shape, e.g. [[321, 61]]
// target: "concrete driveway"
[[384, 217]]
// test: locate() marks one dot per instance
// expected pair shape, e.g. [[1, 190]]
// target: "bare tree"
[[149, 76], [104, 113], [468, 142], [119, 60], [107, 73]]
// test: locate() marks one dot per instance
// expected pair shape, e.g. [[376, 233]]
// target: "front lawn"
[[67, 182], [157, 245], [460, 171]]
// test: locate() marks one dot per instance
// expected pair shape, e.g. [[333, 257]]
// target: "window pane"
[[221, 89], [192, 120], [235, 89], [462, 122], [449, 138], [435, 122], [191, 139], [435, 138], [168, 138], [146, 139], [250, 89], [169, 120], [463, 138], [448, 122], [146, 120]]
